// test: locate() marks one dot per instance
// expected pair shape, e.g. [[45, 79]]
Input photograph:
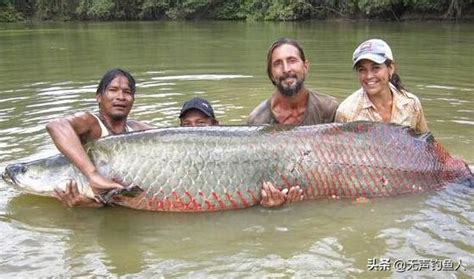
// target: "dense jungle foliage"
[[282, 10]]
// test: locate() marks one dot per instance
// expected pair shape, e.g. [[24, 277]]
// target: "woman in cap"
[[382, 97]]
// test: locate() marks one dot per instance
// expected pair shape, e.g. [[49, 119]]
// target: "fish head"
[[40, 176], [26, 177], [12, 171]]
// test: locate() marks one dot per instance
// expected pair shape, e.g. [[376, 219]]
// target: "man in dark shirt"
[[291, 103]]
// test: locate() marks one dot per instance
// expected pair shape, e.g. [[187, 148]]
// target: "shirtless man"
[[115, 96]]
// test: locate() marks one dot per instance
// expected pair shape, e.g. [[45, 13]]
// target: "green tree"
[[8, 13], [96, 9], [13, 10], [55, 9]]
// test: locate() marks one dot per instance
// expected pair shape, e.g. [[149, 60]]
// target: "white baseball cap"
[[375, 50]]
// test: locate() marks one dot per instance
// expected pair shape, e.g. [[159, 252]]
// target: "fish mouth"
[[11, 171], [7, 178]]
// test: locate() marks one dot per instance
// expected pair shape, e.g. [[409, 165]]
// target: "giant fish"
[[220, 167]]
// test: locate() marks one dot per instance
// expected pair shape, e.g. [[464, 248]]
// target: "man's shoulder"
[[322, 99], [260, 114], [84, 124], [321, 108], [138, 125], [80, 119], [82, 115]]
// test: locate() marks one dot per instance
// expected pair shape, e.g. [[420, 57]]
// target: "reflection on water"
[[333, 238], [52, 70]]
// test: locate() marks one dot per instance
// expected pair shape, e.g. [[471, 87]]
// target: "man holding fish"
[[115, 96]]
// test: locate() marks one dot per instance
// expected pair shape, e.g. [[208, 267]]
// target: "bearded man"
[[291, 103]]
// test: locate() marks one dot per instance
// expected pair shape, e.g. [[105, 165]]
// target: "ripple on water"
[[200, 77], [28, 252], [442, 230]]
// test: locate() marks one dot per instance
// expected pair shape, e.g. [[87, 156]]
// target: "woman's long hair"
[[395, 78]]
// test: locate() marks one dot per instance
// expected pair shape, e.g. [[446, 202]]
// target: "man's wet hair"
[[110, 75], [277, 43]]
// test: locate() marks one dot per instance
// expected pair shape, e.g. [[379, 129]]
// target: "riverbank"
[[250, 10]]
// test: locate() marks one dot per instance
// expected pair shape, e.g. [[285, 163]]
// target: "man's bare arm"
[[69, 134]]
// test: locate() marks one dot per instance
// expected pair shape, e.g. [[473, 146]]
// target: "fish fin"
[[363, 126], [428, 137], [470, 182], [107, 198], [131, 191], [276, 128]]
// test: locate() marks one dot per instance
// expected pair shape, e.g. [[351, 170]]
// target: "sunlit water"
[[52, 70]]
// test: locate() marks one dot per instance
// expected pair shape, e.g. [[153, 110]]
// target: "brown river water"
[[51, 70]]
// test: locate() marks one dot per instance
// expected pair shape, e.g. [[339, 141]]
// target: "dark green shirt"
[[321, 109]]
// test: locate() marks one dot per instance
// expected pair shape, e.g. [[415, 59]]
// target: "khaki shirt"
[[321, 109], [406, 110]]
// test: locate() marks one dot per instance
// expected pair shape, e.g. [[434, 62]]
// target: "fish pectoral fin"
[[130, 191]]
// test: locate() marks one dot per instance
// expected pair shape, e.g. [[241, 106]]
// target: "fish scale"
[[221, 167]]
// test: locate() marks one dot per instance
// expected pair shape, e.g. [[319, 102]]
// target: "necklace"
[[102, 118]]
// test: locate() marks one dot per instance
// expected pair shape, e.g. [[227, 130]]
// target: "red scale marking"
[[218, 199], [310, 185], [326, 180], [349, 180], [316, 173], [333, 184], [193, 204], [388, 172], [320, 184], [285, 180], [341, 185], [324, 189], [390, 182], [209, 205], [375, 181], [352, 173], [231, 200], [254, 199], [396, 179], [177, 202], [242, 199], [345, 182], [316, 184]]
